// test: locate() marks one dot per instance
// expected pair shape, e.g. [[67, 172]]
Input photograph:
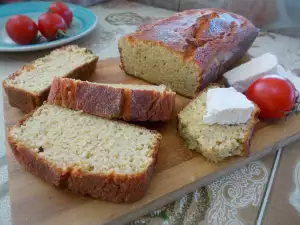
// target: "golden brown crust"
[[113, 187], [110, 102], [147, 105], [27, 101], [99, 100], [19, 98], [213, 38], [62, 92], [251, 127], [36, 165]]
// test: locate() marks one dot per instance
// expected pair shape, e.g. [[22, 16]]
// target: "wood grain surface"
[[178, 171]]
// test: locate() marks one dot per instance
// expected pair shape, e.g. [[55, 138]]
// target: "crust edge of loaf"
[[78, 182], [27, 101], [251, 126], [159, 105], [132, 105], [244, 46]]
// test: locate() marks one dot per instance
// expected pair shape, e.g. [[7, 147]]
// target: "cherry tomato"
[[63, 10], [21, 29], [274, 95], [52, 26]]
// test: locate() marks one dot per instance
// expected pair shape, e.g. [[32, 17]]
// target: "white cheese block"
[[244, 75], [227, 106], [292, 75]]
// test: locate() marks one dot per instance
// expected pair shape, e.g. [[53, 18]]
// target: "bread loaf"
[[188, 50], [29, 87], [105, 159], [215, 142], [126, 101]]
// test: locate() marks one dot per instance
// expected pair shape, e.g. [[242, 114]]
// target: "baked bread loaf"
[[29, 87], [89, 155], [126, 101], [188, 50], [215, 142]]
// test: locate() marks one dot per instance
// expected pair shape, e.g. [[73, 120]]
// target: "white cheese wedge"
[[244, 75], [292, 75], [227, 106]]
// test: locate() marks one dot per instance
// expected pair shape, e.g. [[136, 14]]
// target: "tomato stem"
[[61, 34], [38, 39], [296, 109]]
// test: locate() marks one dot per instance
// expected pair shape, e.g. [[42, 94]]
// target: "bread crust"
[[110, 102], [251, 130], [147, 105], [27, 101], [213, 38], [117, 188], [251, 126]]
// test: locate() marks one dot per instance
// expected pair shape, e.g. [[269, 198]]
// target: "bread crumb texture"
[[38, 76], [159, 88], [215, 142], [159, 65], [72, 139]]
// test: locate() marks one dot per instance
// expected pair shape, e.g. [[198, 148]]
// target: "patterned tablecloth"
[[246, 196]]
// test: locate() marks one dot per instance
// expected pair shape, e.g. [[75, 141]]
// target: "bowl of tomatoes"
[[40, 25]]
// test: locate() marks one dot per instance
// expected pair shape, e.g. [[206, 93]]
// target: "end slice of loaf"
[[188, 50], [215, 142], [105, 159], [126, 101], [29, 87]]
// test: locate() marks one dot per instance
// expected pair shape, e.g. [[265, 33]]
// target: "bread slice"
[[215, 142], [28, 87], [188, 50], [126, 101], [89, 155]]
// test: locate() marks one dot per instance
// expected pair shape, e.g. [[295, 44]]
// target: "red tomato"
[[21, 29], [52, 26], [63, 10], [274, 95]]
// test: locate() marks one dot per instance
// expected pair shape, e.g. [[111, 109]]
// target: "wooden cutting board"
[[179, 170]]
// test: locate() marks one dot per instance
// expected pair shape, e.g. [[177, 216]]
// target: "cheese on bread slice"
[[227, 106], [215, 142]]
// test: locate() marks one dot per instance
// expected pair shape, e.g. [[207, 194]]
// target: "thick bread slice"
[[126, 101], [215, 142], [188, 50], [29, 87], [105, 159]]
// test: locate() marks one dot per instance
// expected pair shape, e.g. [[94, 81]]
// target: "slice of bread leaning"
[[215, 142], [29, 87], [89, 155], [126, 101]]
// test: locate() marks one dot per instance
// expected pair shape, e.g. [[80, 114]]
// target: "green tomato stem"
[[61, 34]]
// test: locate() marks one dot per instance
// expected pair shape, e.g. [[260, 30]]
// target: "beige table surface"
[[264, 192]]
